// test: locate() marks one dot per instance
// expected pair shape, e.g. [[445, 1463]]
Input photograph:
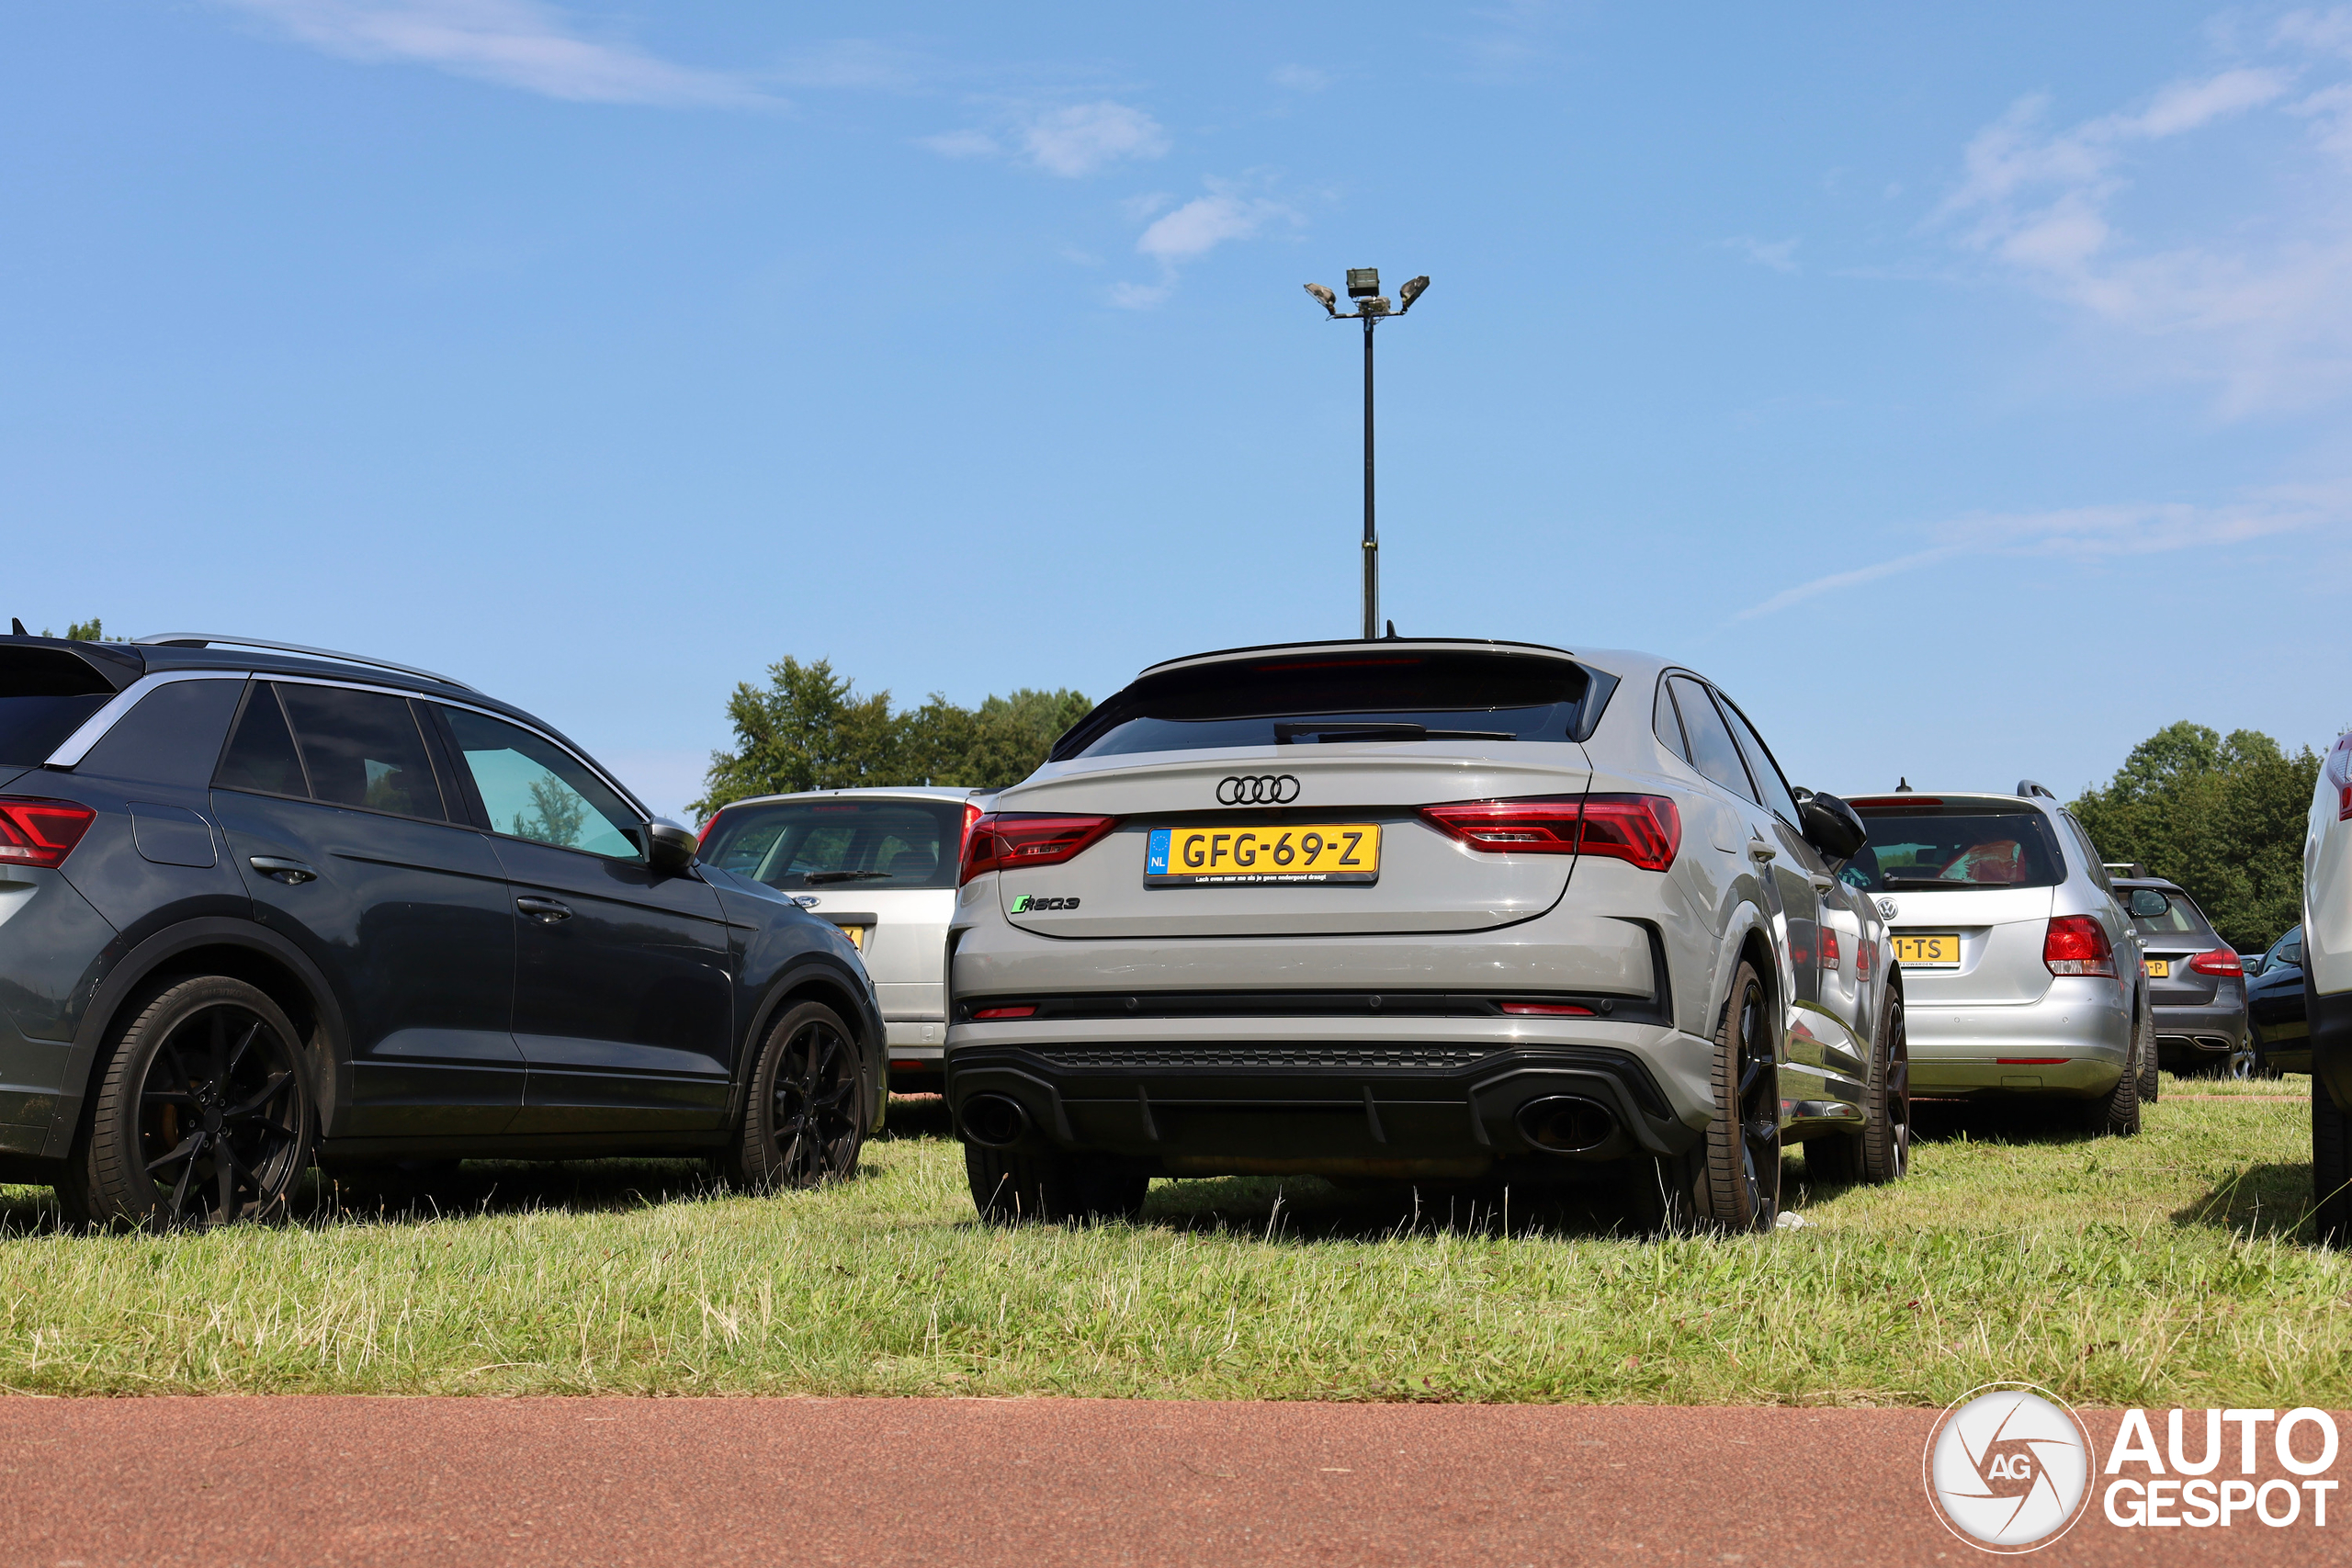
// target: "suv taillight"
[[2220, 960], [2076, 944], [40, 832], [704, 837], [1644, 829], [1012, 841]]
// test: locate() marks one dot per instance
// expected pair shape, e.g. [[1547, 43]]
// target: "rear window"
[[2180, 918], [847, 843], [44, 697], [1935, 847], [1327, 699]]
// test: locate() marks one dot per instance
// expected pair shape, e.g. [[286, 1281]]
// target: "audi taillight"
[[2076, 944], [1643, 829], [704, 837], [40, 832], [1011, 840], [2220, 960], [964, 846]]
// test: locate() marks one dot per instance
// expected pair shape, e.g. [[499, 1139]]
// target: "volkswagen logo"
[[1886, 908], [1263, 789]]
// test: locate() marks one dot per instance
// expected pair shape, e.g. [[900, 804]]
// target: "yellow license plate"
[[2159, 968], [1317, 853], [856, 935], [1939, 949]]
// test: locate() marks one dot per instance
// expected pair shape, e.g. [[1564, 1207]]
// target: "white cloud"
[[1140, 296], [1781, 255], [1300, 78], [1077, 140], [1205, 223], [518, 43], [961, 144], [2090, 534]]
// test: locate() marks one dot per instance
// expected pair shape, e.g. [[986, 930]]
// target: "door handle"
[[547, 910], [1821, 884], [292, 872], [1758, 850]]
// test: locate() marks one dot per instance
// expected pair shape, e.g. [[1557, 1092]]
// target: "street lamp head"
[[1363, 282], [1324, 298], [1375, 306], [1414, 288]]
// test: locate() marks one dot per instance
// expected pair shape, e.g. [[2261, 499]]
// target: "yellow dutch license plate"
[[1284, 855], [856, 935], [2159, 968], [1943, 948]]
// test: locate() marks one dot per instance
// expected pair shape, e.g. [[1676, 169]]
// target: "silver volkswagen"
[[2024, 975], [1419, 910]]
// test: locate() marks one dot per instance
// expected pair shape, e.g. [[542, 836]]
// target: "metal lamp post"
[[1364, 286]]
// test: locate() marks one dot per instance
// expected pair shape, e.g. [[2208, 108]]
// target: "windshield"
[[44, 697], [2180, 919], [1326, 698], [849, 843], [1936, 848]]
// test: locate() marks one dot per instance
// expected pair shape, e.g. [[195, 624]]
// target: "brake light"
[[1644, 830], [2077, 945], [1893, 801], [983, 1013], [1011, 841], [2343, 805], [40, 832], [2220, 960], [1546, 1010], [704, 837], [963, 845], [1833, 958]]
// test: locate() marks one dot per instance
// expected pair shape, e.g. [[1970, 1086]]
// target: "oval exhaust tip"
[[1566, 1124], [994, 1120]]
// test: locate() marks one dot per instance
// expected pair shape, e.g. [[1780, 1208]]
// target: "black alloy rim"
[[816, 1105], [217, 1113], [1898, 1092], [1759, 1109]]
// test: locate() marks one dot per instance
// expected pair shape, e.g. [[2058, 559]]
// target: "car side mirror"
[[669, 847], [2254, 967], [1831, 826], [2147, 904]]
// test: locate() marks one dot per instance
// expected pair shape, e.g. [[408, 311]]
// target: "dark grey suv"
[[2196, 981], [260, 905]]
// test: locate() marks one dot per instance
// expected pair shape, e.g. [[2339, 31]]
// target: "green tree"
[[558, 815], [808, 729], [2222, 817], [80, 631]]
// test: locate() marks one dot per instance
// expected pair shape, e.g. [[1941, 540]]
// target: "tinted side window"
[[261, 755], [363, 748], [1668, 728], [172, 737], [1712, 749], [536, 790], [1765, 770]]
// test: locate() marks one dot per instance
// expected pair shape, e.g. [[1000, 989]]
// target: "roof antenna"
[[16, 627], [1902, 787], [1392, 628]]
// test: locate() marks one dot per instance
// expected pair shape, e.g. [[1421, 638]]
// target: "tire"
[[202, 1116], [1881, 1152], [1034, 1182], [2116, 1113], [2150, 1069], [804, 1119], [2331, 1167], [1743, 1182]]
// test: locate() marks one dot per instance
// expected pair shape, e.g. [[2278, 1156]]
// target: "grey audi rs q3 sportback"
[[1422, 910]]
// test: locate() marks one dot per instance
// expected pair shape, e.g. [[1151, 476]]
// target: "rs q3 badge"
[[1026, 903]]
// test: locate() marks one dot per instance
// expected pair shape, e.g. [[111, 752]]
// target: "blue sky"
[[1970, 392]]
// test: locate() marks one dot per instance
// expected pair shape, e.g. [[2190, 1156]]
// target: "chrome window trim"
[[94, 728]]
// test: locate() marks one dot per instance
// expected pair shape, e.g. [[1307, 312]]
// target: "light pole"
[[1364, 286]]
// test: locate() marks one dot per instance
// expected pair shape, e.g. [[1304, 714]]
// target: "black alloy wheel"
[[1744, 1140], [203, 1117], [805, 1123]]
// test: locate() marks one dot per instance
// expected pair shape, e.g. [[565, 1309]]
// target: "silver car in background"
[[1419, 910], [881, 864], [2023, 975]]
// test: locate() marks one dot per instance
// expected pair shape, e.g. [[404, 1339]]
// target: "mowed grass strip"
[[2173, 1269]]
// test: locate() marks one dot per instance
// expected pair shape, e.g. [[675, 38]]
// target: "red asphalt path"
[[222, 1482]]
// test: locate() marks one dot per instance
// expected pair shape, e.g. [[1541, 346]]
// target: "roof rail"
[[2027, 788], [215, 640]]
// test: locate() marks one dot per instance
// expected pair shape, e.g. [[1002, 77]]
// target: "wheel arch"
[[817, 978]]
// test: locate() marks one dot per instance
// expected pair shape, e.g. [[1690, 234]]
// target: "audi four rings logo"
[[1263, 789]]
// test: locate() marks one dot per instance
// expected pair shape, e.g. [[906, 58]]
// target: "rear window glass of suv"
[[2180, 918], [44, 697], [1931, 847], [1328, 698], [847, 843]]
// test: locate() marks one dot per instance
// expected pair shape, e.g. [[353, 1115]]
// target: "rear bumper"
[[1263, 1102], [2199, 1036], [2073, 1043]]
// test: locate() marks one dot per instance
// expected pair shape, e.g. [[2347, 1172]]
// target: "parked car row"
[[1409, 910]]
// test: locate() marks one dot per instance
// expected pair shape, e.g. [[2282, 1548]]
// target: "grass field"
[[2173, 1269]]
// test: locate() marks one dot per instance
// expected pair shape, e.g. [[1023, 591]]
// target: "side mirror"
[[1831, 826], [2253, 967], [669, 847], [2147, 904]]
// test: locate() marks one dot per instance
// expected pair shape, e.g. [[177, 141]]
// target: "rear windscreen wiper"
[[818, 878], [1926, 882], [1327, 734]]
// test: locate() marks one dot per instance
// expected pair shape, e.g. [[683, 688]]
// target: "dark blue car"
[[261, 905]]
